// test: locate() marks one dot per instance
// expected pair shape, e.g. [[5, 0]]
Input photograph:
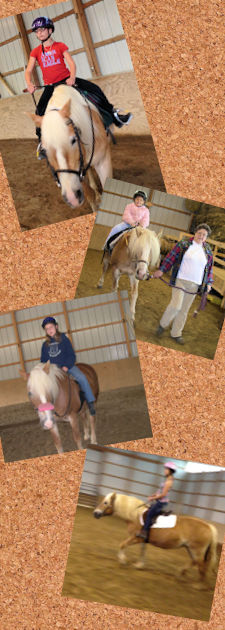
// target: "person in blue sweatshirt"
[[58, 349]]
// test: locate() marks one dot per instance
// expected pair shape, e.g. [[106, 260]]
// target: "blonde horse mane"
[[54, 130], [41, 383], [144, 244]]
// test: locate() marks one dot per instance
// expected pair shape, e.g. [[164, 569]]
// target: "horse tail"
[[210, 557]]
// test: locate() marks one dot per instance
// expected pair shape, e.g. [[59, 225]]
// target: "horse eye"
[[29, 394], [73, 140]]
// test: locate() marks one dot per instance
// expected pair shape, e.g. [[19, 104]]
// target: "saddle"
[[113, 240]]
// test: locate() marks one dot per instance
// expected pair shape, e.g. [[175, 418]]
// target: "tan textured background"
[[178, 54]]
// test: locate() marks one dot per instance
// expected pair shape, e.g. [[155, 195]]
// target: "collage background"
[[177, 50]]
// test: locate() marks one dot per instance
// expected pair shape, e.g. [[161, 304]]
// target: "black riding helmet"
[[42, 22], [140, 193], [49, 320]]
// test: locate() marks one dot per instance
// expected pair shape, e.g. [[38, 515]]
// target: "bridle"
[[136, 262], [81, 172]]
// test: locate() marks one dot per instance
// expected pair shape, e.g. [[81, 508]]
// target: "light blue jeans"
[[83, 383]]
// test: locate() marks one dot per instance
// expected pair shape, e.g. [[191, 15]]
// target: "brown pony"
[[54, 394], [75, 140], [196, 535], [132, 255]]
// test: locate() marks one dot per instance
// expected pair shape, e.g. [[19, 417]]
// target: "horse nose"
[[79, 195], [96, 514]]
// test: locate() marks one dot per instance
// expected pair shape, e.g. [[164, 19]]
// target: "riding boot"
[[121, 119]]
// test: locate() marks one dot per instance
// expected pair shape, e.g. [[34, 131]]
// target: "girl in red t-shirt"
[[57, 66]]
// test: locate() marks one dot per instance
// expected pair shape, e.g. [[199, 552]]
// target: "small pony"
[[55, 395], [132, 254], [197, 536], [76, 145]]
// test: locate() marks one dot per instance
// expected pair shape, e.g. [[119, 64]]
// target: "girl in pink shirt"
[[135, 213]]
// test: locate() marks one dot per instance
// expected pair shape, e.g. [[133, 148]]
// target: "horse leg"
[[191, 562], [86, 423], [95, 184], [104, 167], [134, 295], [56, 438], [116, 277], [197, 559], [131, 540], [74, 422], [90, 196], [106, 262], [92, 421]]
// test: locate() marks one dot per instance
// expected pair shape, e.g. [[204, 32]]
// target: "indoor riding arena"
[[95, 543], [172, 217], [101, 337], [97, 44]]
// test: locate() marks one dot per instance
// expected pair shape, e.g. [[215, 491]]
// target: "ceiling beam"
[[79, 11]]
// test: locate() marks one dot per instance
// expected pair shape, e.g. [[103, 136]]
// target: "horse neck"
[[127, 507]]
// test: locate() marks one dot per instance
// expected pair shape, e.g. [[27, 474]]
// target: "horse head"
[[106, 507], [66, 154], [42, 388]]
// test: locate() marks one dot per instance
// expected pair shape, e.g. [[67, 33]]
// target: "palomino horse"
[[54, 394], [75, 140], [132, 254], [197, 536]]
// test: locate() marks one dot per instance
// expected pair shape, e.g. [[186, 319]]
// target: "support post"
[[79, 10]]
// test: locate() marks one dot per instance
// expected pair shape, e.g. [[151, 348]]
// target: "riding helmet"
[[171, 466], [140, 193], [42, 22], [49, 320]]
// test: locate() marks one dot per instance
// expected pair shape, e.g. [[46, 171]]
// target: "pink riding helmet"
[[170, 465]]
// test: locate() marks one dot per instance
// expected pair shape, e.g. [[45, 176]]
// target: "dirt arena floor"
[[38, 199], [93, 572], [121, 415], [153, 298]]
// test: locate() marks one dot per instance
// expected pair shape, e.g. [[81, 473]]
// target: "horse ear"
[[46, 367], [65, 111], [36, 119], [24, 375], [113, 498]]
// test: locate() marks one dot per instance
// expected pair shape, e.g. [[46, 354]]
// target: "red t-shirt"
[[52, 62]]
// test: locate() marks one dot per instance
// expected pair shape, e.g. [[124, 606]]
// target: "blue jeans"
[[153, 511], [83, 383]]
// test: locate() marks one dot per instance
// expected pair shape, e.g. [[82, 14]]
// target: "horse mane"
[[126, 506], [53, 125], [144, 244], [42, 384]]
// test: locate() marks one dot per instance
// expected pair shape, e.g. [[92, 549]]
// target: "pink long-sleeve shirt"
[[133, 214]]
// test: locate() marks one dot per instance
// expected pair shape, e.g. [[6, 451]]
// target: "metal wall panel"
[[89, 325], [164, 214], [114, 58]]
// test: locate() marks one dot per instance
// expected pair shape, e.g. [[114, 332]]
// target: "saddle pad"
[[114, 239], [162, 521]]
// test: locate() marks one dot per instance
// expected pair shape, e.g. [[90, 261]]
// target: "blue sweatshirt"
[[61, 353]]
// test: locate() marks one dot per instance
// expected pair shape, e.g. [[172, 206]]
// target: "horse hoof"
[[139, 565], [122, 558]]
